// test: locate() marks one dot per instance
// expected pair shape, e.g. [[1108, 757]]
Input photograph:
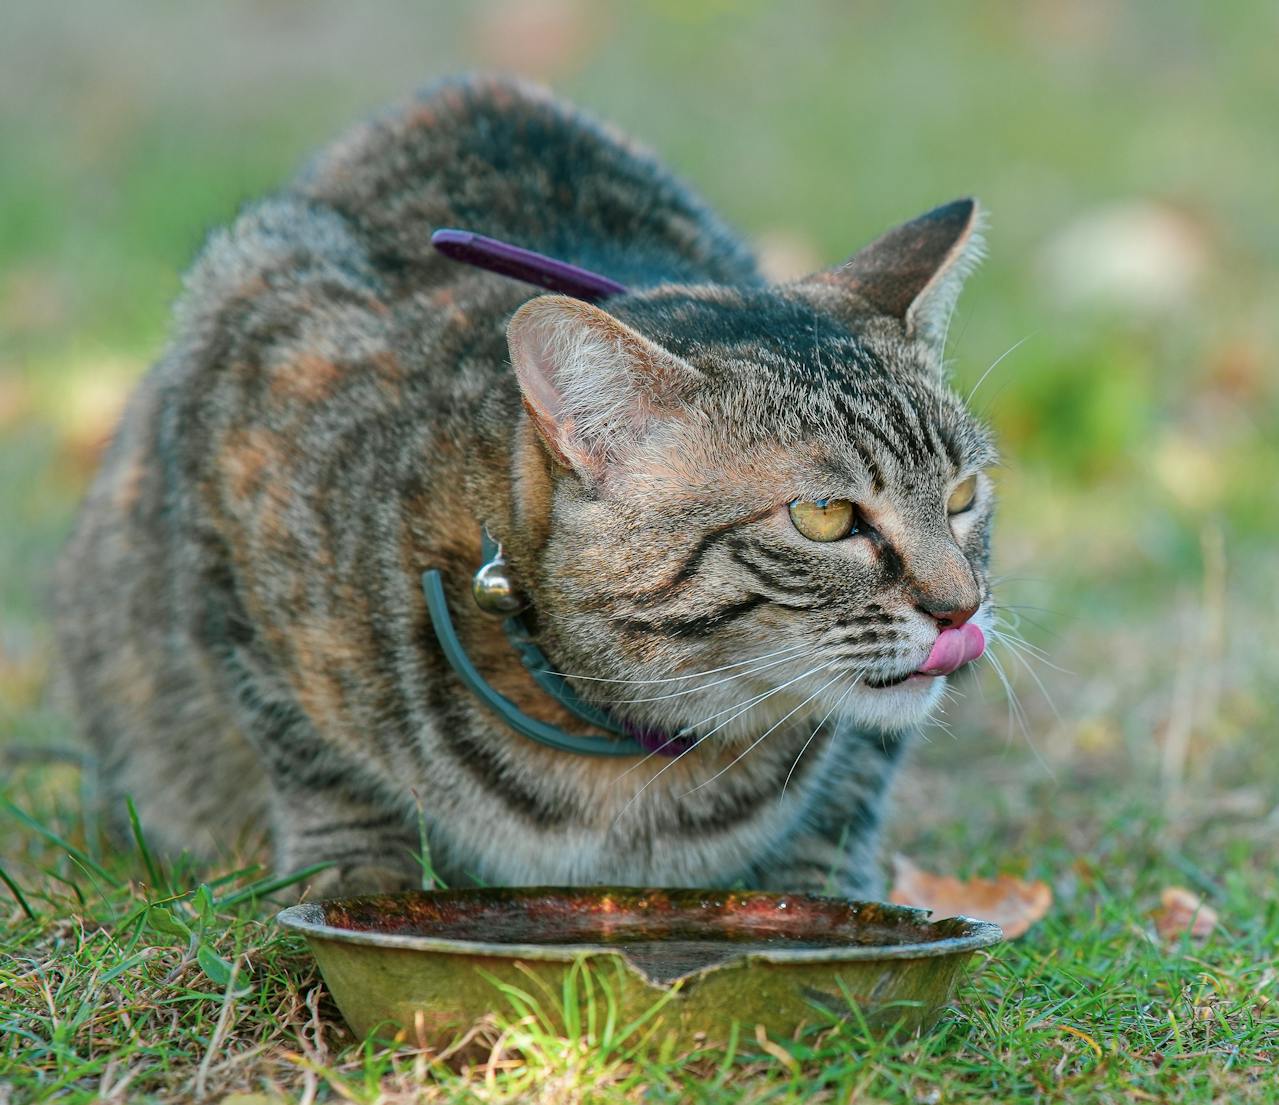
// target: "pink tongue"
[[953, 649]]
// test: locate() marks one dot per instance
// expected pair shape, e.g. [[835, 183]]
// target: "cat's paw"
[[349, 881]]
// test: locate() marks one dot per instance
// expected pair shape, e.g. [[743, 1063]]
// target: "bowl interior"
[[665, 933]]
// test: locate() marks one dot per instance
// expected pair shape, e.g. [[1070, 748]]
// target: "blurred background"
[[1121, 337]]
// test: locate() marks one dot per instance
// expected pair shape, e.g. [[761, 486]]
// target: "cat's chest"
[[652, 822]]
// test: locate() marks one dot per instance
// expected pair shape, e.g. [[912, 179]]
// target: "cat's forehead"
[[714, 326], [778, 369]]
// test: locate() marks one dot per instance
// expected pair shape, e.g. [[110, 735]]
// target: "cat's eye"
[[824, 519], [962, 497]]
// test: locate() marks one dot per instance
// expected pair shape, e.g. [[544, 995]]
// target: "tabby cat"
[[744, 514]]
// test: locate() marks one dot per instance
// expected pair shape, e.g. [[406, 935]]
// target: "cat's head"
[[757, 492]]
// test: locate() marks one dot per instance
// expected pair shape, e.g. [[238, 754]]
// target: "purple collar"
[[523, 264], [657, 743]]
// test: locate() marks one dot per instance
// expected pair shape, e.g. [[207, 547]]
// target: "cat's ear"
[[915, 271], [591, 384]]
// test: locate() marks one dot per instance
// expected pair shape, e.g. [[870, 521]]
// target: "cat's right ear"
[[591, 384], [915, 271]]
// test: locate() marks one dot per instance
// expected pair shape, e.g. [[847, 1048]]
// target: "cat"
[[741, 513]]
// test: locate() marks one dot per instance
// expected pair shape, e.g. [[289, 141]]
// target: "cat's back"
[[508, 159]]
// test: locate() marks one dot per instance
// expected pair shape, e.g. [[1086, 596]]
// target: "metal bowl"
[[684, 963]]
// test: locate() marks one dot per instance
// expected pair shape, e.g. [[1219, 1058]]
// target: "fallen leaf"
[[1012, 903], [1182, 911]]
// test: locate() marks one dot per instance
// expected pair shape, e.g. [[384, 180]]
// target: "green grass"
[[1136, 537], [102, 988]]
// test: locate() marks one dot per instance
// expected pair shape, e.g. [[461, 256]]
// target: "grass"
[[1139, 416], [124, 980]]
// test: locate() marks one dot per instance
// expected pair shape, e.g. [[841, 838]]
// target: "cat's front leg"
[[837, 851], [372, 849], [324, 810], [844, 864]]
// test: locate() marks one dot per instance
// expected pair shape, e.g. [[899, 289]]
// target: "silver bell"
[[494, 589]]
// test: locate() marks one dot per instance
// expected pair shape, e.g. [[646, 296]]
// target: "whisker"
[[1004, 637], [686, 730], [706, 686], [1011, 645], [749, 706], [939, 722], [1006, 615], [951, 691], [755, 701], [1043, 628], [998, 360], [1009, 628], [1015, 709], [758, 740], [1014, 640], [677, 678], [1000, 580], [939, 725], [838, 702], [1029, 606]]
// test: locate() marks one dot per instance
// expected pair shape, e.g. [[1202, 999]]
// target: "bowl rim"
[[307, 918]]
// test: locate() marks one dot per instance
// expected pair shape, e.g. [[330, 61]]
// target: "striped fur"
[[239, 607]]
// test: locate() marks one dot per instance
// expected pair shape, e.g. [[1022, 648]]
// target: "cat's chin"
[[895, 706]]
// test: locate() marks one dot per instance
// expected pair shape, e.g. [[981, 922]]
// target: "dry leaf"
[[1181, 911], [1012, 903]]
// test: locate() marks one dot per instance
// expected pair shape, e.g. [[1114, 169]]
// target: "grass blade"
[[82, 857], [263, 887], [16, 891], [153, 871]]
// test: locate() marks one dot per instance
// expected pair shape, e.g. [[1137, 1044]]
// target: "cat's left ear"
[[592, 386], [914, 272]]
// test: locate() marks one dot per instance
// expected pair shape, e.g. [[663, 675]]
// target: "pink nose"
[[947, 618], [954, 648]]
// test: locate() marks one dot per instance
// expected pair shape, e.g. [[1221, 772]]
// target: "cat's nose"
[[945, 615]]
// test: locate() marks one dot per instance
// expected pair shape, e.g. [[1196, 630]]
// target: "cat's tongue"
[[953, 649]]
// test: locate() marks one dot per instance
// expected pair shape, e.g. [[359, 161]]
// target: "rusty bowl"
[[686, 964]]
